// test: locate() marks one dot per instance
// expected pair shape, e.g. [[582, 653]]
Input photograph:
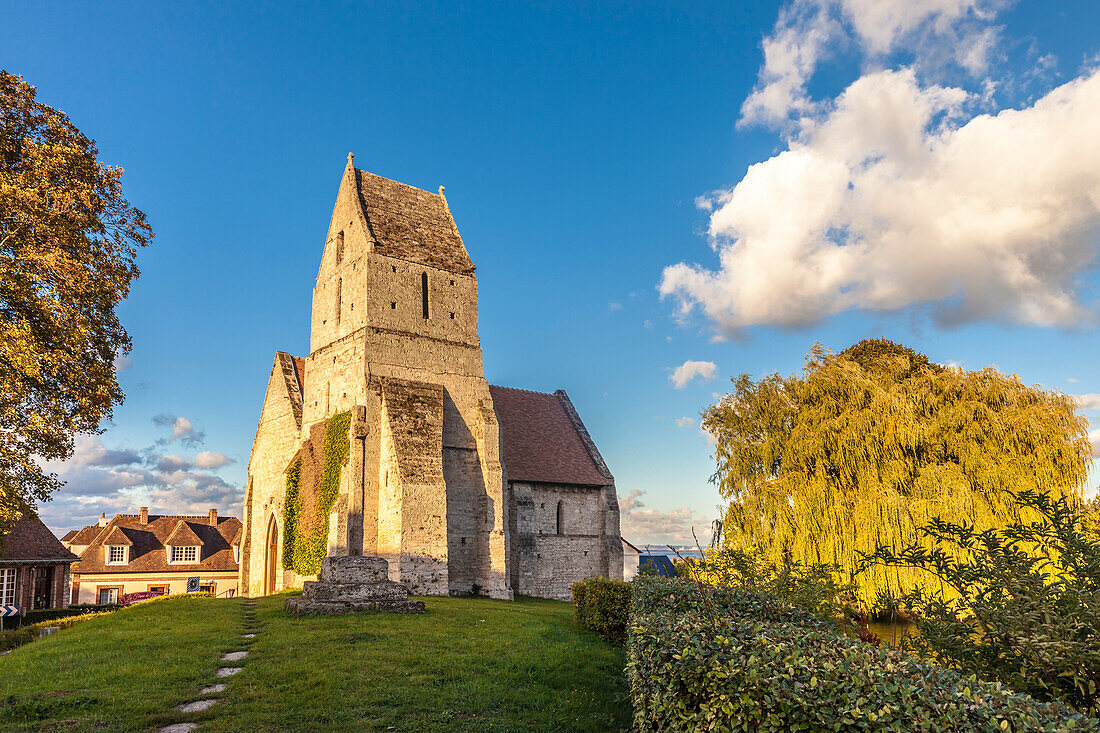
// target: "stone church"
[[464, 487]]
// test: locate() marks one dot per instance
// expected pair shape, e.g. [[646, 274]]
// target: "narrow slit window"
[[424, 293], [559, 520]]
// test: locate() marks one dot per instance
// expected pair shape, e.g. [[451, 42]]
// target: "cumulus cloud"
[[119, 480], [1088, 401], [684, 422], [887, 202], [211, 459], [808, 30], [182, 430], [643, 525], [689, 370]]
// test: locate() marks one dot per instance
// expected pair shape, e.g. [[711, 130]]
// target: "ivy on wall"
[[305, 547]]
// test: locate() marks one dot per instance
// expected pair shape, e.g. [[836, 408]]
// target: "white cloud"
[[1088, 401], [1094, 440], [684, 422], [614, 306], [119, 480], [807, 31], [211, 459], [643, 525], [182, 429], [691, 369], [893, 199]]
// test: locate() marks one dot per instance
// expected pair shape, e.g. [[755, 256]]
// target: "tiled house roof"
[[116, 537], [542, 442], [29, 540], [411, 224], [85, 535], [147, 554]]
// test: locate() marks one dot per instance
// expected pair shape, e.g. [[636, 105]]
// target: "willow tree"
[[68, 240], [868, 445]]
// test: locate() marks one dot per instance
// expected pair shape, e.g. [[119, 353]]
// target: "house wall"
[[24, 585], [545, 561], [85, 588]]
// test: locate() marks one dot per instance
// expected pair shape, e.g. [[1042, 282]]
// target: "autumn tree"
[[869, 445], [68, 240]]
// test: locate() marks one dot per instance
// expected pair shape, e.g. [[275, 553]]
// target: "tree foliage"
[[1025, 609], [68, 240], [870, 444]]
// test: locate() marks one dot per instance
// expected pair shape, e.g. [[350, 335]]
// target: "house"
[[141, 553], [34, 566], [631, 557], [463, 487]]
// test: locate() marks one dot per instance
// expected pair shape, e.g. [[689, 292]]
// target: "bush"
[[30, 632], [1024, 605], [813, 588], [602, 605], [745, 668], [49, 614]]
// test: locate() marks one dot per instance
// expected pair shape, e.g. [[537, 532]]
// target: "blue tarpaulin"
[[656, 564]]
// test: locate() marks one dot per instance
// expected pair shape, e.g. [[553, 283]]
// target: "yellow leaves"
[[869, 445]]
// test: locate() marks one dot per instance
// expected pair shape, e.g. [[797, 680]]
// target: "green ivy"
[[305, 547], [291, 509]]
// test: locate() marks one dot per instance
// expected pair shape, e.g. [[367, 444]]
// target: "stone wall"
[[549, 555]]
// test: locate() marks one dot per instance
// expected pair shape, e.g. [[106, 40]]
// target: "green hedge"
[[743, 669], [9, 639], [602, 605], [48, 614]]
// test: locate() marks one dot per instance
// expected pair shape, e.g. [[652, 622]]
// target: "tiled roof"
[[147, 555], [85, 535], [182, 536], [541, 442], [30, 540], [68, 535], [293, 369], [116, 537], [411, 224]]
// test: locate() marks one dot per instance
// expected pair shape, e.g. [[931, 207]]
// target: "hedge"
[[742, 668], [9, 639], [49, 614], [602, 605]]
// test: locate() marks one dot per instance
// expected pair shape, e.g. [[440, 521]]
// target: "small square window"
[[452, 316], [393, 306], [116, 554], [394, 268]]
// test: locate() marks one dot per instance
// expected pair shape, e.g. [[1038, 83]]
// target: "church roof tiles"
[[411, 224], [544, 440]]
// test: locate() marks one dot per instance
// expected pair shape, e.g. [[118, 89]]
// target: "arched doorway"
[[272, 558]]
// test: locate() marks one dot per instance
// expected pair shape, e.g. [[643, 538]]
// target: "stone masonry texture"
[[427, 484]]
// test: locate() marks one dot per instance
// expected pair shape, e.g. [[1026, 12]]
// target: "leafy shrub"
[[746, 668], [602, 605], [813, 588], [16, 637], [1024, 606], [48, 614]]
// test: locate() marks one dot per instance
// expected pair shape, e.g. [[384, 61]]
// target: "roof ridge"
[[528, 391], [399, 183]]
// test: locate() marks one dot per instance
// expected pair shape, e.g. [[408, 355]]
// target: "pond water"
[[891, 632]]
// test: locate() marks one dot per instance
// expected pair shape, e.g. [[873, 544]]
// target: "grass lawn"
[[468, 664], [122, 671]]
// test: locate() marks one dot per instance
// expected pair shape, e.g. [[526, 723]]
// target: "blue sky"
[[595, 159]]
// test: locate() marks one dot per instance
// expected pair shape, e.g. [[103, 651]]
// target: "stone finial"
[[441, 190], [351, 158]]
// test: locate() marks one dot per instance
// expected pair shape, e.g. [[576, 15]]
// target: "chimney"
[[212, 518], [103, 519], [143, 517]]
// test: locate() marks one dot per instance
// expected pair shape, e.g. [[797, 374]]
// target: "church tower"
[[394, 340]]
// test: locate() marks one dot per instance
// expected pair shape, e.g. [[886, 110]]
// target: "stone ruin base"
[[353, 583]]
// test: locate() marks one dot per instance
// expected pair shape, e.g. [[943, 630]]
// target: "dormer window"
[[117, 554], [183, 553]]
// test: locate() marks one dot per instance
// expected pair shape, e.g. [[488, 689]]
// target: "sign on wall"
[[192, 584]]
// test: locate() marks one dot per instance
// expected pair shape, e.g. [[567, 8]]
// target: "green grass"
[[465, 665], [122, 671]]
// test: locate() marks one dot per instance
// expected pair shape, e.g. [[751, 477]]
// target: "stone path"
[[209, 696]]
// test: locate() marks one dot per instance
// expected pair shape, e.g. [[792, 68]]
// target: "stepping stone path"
[[207, 695]]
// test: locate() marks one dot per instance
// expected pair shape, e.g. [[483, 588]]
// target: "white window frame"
[[7, 586], [174, 560], [99, 595], [125, 554]]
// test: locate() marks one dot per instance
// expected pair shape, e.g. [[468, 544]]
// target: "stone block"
[[385, 590], [354, 569], [302, 606]]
